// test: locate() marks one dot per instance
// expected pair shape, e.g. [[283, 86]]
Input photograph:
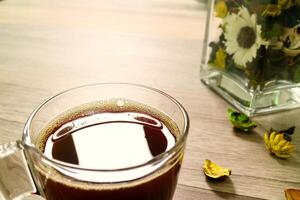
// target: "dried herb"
[[240, 120], [292, 194], [279, 142], [213, 170], [260, 38]]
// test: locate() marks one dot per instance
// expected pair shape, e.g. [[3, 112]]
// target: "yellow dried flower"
[[278, 145], [292, 194], [220, 60], [213, 170], [272, 10], [221, 9], [285, 4]]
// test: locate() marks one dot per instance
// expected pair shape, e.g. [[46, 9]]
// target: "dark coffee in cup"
[[115, 137]]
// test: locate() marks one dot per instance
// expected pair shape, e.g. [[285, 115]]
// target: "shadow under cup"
[[155, 179]]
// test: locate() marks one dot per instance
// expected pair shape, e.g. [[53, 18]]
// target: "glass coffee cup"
[[102, 141]]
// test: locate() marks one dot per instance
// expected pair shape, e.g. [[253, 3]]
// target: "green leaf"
[[240, 120], [275, 66], [297, 72], [290, 17], [272, 30], [214, 47]]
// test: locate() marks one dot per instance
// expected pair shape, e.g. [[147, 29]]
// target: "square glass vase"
[[251, 54]]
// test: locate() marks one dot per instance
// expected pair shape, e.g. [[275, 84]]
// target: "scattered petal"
[[213, 170], [240, 120], [277, 144], [292, 194]]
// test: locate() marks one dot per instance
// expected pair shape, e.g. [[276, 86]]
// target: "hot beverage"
[[114, 136]]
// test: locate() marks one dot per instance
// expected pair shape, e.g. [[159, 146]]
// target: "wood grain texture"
[[49, 46]]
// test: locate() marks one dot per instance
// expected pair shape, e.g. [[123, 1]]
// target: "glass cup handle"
[[15, 178]]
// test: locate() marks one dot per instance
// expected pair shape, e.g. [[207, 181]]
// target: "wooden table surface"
[[51, 45]]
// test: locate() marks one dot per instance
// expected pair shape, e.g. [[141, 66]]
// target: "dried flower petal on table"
[[213, 170], [292, 194], [279, 143], [240, 120]]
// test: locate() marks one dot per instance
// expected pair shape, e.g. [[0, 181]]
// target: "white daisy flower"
[[242, 36]]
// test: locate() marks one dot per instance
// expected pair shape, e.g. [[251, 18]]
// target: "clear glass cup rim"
[[26, 140]]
